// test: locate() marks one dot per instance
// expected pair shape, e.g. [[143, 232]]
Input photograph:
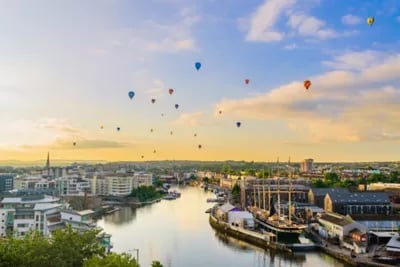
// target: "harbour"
[[163, 231]]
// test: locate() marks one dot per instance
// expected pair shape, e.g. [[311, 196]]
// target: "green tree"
[[206, 180], [156, 264], [112, 260], [331, 178], [236, 189], [320, 184]]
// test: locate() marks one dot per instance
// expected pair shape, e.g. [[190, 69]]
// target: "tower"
[[48, 164]]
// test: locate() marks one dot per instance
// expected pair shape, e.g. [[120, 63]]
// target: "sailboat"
[[272, 220]]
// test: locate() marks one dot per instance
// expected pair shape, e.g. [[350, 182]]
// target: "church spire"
[[48, 164]]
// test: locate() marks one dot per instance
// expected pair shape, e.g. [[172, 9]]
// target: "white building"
[[71, 185], [80, 220], [142, 179], [21, 214], [338, 225], [243, 219]]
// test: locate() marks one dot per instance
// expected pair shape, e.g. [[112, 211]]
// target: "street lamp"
[[137, 254]]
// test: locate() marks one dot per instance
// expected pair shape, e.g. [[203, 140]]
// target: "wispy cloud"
[[89, 144], [341, 105], [262, 25], [190, 119], [350, 19], [290, 46]]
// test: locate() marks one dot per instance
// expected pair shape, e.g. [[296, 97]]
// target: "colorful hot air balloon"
[[118, 128], [307, 84], [199, 146], [131, 94], [171, 91], [153, 101], [247, 81], [238, 124], [176, 106], [74, 143], [197, 65], [370, 21]]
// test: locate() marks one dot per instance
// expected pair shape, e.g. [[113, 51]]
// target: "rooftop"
[[337, 219], [46, 206], [30, 199], [360, 197]]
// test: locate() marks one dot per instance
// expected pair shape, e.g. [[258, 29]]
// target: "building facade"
[[306, 165], [6, 182]]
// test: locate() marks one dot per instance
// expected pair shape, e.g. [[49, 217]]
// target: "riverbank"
[[254, 238]]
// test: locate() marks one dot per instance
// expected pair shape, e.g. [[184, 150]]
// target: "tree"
[[156, 264], [112, 260], [206, 180], [320, 184], [331, 178], [236, 189]]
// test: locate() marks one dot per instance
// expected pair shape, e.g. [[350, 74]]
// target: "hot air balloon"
[[142, 156], [154, 151], [153, 101], [118, 128], [220, 112], [199, 146], [176, 106], [131, 94], [171, 91], [195, 135], [162, 114], [307, 84], [370, 21], [74, 143], [247, 81], [151, 130], [171, 132], [197, 65], [238, 124], [101, 127]]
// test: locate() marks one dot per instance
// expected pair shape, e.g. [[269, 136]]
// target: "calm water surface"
[[177, 233]]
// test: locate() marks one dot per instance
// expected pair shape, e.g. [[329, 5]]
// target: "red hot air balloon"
[[247, 81], [171, 91], [153, 101], [307, 84]]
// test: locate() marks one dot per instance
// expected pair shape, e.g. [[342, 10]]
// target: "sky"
[[67, 66]]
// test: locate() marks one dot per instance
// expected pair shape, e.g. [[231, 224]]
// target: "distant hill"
[[41, 163]]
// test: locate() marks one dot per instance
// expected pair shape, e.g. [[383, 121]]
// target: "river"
[[178, 234]]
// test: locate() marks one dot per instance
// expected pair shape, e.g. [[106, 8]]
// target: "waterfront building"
[[79, 220], [6, 182], [340, 226], [222, 212], [316, 196], [142, 179], [119, 185], [21, 214], [364, 203]]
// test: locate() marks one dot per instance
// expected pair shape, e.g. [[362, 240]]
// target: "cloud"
[[190, 119], [263, 20], [39, 132], [351, 20], [173, 37], [357, 102], [290, 46], [357, 60], [157, 89], [262, 25], [89, 144]]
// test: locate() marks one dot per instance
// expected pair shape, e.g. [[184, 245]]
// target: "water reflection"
[[178, 234], [124, 216]]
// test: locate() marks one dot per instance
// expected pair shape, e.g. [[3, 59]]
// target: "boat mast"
[[263, 189], [279, 193], [254, 194], [290, 193], [269, 188], [258, 193]]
